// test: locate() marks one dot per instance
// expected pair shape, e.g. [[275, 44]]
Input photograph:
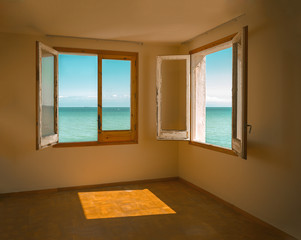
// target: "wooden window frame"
[[239, 147], [43, 142], [196, 102], [240, 81], [118, 136], [113, 137], [163, 134]]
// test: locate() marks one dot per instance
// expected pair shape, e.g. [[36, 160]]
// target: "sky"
[[78, 81], [116, 83], [78, 85], [219, 79]]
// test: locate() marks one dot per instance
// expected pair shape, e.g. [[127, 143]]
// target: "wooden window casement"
[[240, 93], [47, 97], [196, 87], [172, 134]]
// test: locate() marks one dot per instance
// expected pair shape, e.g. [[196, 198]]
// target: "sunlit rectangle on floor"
[[124, 203]]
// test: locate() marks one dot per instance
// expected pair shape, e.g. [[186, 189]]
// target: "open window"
[[47, 96], [173, 108], [240, 93], [86, 97], [218, 95]]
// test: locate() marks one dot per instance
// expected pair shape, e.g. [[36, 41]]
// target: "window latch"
[[99, 123], [250, 128]]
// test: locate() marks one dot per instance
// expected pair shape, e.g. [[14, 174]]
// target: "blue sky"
[[78, 81], [116, 80], [219, 79]]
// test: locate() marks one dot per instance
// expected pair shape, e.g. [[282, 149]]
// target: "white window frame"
[[50, 140], [163, 134], [198, 91]]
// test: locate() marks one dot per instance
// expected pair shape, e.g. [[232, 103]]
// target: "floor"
[[162, 210]]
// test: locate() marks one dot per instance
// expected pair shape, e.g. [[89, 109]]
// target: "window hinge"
[[135, 127], [99, 123], [250, 128]]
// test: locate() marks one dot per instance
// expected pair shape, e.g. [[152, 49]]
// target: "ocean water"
[[116, 118], [219, 126], [79, 124]]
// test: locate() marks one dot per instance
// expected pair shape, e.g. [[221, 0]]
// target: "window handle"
[[99, 122], [250, 128]]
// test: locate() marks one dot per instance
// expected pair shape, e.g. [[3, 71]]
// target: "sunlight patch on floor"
[[124, 203]]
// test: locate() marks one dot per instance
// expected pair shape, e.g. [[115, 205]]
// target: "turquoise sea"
[[79, 124], [219, 126]]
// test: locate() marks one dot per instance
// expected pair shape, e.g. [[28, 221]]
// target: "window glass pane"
[[219, 98], [78, 83], [173, 95], [116, 94], [47, 94]]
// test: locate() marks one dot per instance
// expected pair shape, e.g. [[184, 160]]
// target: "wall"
[[23, 168], [268, 184]]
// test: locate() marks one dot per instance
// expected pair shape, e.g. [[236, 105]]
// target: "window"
[[176, 71], [86, 97], [212, 95], [217, 93], [78, 97]]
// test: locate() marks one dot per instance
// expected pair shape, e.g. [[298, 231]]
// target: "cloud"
[[218, 99], [115, 97], [78, 97]]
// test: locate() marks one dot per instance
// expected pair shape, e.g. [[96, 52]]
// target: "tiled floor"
[[154, 211]]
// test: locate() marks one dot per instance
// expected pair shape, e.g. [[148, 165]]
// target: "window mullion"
[[99, 103]]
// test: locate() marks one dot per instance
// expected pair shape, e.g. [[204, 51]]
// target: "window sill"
[[214, 148], [87, 144]]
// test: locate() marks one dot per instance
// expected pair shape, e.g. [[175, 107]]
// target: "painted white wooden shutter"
[[47, 96], [198, 97], [175, 134]]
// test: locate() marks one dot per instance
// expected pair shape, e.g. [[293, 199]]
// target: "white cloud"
[[218, 99], [114, 97], [78, 97]]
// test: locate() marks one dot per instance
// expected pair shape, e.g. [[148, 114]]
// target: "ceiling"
[[131, 20]]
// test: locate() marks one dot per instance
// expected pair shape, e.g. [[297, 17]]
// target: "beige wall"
[[23, 168], [268, 184]]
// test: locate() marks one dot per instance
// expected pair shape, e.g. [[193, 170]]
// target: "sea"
[[219, 126], [79, 124]]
